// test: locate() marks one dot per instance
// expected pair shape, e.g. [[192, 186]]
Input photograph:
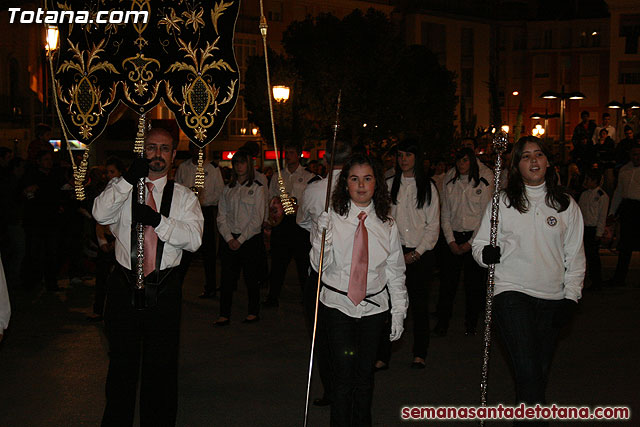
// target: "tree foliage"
[[395, 89]]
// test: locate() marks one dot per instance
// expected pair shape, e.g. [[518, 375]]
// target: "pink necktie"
[[150, 237], [359, 263]]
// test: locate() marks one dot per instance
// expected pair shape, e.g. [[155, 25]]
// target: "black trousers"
[[41, 256], [321, 349], [526, 326], [149, 338], [474, 284], [207, 250], [105, 262], [418, 278], [353, 344], [288, 240], [247, 260], [629, 237], [591, 251]]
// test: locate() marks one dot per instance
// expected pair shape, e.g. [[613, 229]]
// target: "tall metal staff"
[[285, 199], [500, 142], [324, 234]]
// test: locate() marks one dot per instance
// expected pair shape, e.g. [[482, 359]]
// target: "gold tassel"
[[288, 202], [199, 179], [138, 147], [80, 173]]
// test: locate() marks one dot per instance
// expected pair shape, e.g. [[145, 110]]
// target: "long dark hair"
[[474, 171], [341, 199], [557, 196], [410, 145], [242, 156]]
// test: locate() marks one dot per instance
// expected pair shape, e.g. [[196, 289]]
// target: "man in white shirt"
[[208, 197], [611, 131], [288, 240], [173, 223]]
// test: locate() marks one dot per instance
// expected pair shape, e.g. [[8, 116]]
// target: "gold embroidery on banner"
[[86, 95], [217, 12], [140, 75], [200, 93], [141, 6]]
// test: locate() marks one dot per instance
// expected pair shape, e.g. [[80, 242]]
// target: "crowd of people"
[[386, 234]]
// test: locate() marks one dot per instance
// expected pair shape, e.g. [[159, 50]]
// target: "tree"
[[392, 88]]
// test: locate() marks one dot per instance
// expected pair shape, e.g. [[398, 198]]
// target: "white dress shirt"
[[386, 263], [5, 305], [312, 203], [181, 230], [542, 253], [294, 183], [241, 211], [213, 183], [419, 228], [463, 204], [628, 186], [594, 204]]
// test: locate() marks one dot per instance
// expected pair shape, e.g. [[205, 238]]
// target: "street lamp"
[[562, 96], [51, 45], [546, 117], [537, 131], [281, 93]]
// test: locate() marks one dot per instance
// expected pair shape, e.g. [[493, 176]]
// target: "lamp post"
[[514, 93], [546, 117], [563, 96], [51, 45], [281, 95]]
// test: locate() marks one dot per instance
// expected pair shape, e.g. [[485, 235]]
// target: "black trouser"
[[41, 259], [474, 284], [526, 326], [418, 279], [321, 353], [288, 240], [629, 237], [247, 260], [150, 337], [353, 344], [591, 251], [207, 250], [105, 262]]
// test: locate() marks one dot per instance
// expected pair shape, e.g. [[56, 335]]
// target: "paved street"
[[53, 362]]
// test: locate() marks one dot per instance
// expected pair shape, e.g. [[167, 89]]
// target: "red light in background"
[[227, 155], [271, 154], [321, 154]]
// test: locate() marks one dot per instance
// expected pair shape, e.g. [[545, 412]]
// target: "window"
[[244, 47], [548, 39], [565, 38], [630, 30], [540, 66], [434, 37], [274, 11], [629, 73]]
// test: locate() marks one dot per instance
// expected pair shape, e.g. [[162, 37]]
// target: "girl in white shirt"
[[540, 264], [353, 316], [415, 206], [240, 216]]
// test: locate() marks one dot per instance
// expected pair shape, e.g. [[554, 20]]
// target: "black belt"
[[366, 298], [462, 236], [154, 278]]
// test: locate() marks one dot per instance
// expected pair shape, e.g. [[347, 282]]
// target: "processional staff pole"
[[320, 262], [500, 142]]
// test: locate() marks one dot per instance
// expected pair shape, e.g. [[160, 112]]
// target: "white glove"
[[324, 221], [397, 327]]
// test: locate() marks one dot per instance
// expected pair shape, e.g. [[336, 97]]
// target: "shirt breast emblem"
[[552, 221], [299, 179], [479, 191], [251, 192]]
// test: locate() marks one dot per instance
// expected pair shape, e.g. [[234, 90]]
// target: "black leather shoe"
[[323, 401], [221, 322], [418, 365], [381, 368], [254, 320]]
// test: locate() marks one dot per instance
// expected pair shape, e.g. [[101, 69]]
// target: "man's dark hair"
[[605, 115], [594, 174], [41, 129], [584, 113]]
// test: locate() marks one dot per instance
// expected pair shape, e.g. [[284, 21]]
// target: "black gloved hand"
[[564, 313], [138, 169], [145, 215], [491, 255]]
